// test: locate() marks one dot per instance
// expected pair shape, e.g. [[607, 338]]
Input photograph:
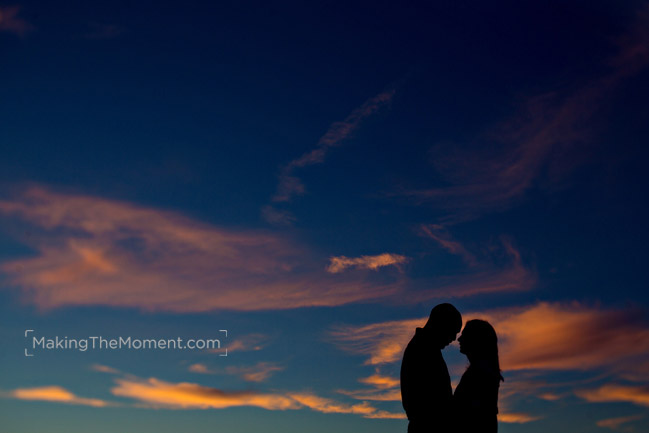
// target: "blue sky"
[[314, 178]]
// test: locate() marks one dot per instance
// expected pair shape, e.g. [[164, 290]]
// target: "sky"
[[302, 182]]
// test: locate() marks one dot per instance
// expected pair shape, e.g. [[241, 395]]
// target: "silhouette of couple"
[[426, 391]]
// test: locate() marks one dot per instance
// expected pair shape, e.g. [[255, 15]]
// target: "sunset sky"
[[313, 177]]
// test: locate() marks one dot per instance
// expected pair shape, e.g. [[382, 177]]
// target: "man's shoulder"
[[417, 340]]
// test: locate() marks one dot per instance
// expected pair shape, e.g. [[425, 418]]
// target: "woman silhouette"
[[476, 396]]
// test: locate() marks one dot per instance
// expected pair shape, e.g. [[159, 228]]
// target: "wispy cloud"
[[543, 336], [384, 414], [516, 418], [638, 395], [94, 251], [554, 336], [259, 372], [55, 394], [12, 23], [616, 423], [184, 395], [199, 368], [327, 405], [373, 394], [383, 388], [380, 381], [256, 373], [277, 217], [290, 185], [340, 263], [338, 132], [547, 140], [246, 343], [105, 369], [509, 275], [154, 392], [381, 343], [440, 234]]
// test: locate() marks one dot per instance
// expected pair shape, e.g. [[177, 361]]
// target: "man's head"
[[444, 323]]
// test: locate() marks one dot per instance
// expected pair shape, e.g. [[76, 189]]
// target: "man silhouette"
[[426, 391]]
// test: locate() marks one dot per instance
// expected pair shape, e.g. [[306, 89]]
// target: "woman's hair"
[[484, 342]]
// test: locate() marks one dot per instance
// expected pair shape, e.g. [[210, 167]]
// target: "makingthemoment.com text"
[[101, 343]]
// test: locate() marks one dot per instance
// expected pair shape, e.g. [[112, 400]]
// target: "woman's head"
[[480, 343]]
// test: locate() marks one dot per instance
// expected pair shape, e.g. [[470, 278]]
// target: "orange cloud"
[[153, 392], [199, 368], [382, 342], [615, 423], [10, 22], [373, 395], [385, 388], [185, 395], [617, 393], [567, 336], [55, 394], [250, 342], [105, 369], [549, 396], [257, 373], [340, 263], [93, 251], [380, 381], [516, 418], [544, 336], [383, 414], [326, 405]]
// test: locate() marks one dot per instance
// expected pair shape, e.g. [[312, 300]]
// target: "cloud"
[[486, 278], [384, 388], [55, 394], [616, 423], [382, 343], [246, 343], [259, 372], [158, 393], [105, 369], [516, 418], [543, 336], [10, 22], [277, 216], [638, 395], [555, 336], [380, 381], [340, 263], [438, 233], [542, 144], [549, 396], [290, 185], [256, 373], [326, 405], [199, 368], [94, 251], [373, 394], [153, 392], [383, 414]]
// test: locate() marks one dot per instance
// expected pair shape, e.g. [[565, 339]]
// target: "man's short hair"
[[444, 315]]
